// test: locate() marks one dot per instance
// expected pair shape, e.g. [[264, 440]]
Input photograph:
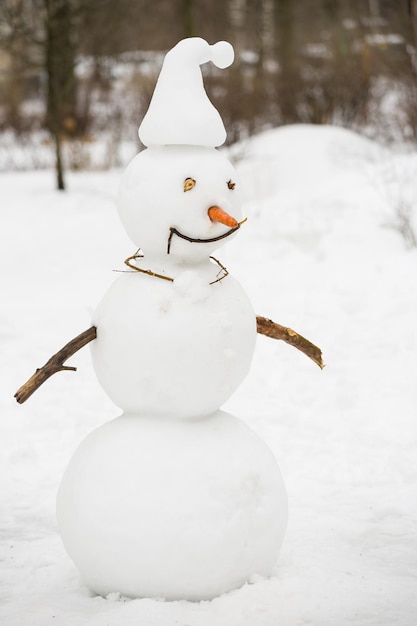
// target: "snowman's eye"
[[230, 184], [189, 183]]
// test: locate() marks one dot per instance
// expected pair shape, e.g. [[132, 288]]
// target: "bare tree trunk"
[[15, 94], [59, 62], [237, 18], [59, 168], [188, 17], [267, 31], [374, 9], [289, 75], [412, 10]]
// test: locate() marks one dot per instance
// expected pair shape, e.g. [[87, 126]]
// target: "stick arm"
[[264, 326], [55, 364], [267, 327]]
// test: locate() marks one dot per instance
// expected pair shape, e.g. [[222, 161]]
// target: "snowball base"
[[154, 507]]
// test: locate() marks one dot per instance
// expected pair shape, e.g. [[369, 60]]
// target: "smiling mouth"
[[174, 231]]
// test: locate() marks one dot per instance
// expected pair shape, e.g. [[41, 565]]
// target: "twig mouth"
[[174, 231]]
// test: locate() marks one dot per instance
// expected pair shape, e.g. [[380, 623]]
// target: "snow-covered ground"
[[317, 254]]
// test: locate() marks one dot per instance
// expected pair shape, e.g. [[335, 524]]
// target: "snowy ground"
[[316, 254]]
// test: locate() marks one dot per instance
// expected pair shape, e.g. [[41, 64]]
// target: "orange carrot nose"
[[216, 214]]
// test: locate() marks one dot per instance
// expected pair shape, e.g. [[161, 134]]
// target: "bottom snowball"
[[153, 507]]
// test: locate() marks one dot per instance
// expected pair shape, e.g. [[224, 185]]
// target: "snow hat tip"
[[222, 54], [180, 112]]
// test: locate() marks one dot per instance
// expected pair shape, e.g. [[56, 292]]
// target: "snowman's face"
[[181, 201]]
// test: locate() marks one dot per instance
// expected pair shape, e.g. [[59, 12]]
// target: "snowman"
[[174, 498]]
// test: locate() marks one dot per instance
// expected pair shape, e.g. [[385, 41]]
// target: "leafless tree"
[[317, 62]]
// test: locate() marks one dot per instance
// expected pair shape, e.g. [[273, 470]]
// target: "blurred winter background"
[[77, 75], [321, 112]]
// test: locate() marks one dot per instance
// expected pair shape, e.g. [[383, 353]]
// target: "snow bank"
[[317, 255]]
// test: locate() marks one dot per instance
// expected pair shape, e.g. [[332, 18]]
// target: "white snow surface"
[[317, 254]]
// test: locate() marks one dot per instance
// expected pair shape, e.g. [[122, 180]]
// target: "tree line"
[[313, 61]]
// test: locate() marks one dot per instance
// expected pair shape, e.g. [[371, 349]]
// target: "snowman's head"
[[179, 197], [181, 201]]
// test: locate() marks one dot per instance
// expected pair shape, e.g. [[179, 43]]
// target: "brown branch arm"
[[55, 364], [267, 327]]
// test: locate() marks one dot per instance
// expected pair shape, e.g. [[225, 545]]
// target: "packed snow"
[[321, 252], [174, 480], [203, 323], [203, 496], [179, 103], [193, 336]]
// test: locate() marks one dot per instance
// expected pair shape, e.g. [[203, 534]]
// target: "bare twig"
[[129, 263], [55, 364], [267, 327], [174, 231]]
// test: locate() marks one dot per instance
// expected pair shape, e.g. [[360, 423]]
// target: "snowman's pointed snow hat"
[[180, 112]]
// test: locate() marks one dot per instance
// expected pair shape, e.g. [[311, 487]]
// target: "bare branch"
[[55, 364], [267, 327]]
